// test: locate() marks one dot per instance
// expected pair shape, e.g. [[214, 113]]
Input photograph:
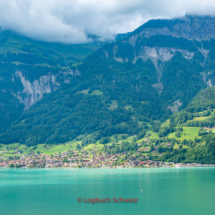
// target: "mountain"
[[124, 87], [43, 53], [29, 69]]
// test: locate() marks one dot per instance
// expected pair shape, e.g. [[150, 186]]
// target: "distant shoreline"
[[162, 167]]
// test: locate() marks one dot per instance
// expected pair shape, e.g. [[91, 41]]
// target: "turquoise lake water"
[[55, 191]]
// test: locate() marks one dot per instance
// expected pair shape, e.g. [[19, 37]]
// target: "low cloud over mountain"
[[71, 21]]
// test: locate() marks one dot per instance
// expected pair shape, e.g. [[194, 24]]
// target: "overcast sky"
[[70, 21]]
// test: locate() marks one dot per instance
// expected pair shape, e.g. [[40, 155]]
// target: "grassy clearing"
[[152, 135], [121, 138], [94, 146], [149, 135], [141, 140], [166, 123], [77, 64], [129, 139], [201, 118], [52, 149], [18, 63], [84, 91], [113, 105], [96, 92], [13, 145], [188, 133], [127, 107], [15, 50], [90, 146], [176, 146], [46, 65], [22, 147]]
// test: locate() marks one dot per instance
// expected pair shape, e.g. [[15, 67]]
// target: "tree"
[[160, 149], [151, 148], [65, 159], [178, 134]]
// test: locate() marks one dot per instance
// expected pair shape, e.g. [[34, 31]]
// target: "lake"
[[162, 191]]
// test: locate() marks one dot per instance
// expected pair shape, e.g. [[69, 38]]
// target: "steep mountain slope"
[[22, 50], [199, 112], [138, 79], [193, 130], [29, 69], [33, 67]]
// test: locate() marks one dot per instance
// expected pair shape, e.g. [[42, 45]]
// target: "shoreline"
[[102, 168]]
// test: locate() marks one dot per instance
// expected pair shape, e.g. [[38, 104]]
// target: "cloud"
[[70, 21]]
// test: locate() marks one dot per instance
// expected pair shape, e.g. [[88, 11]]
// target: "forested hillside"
[[122, 88], [29, 69], [190, 132]]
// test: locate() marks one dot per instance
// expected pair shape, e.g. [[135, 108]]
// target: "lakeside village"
[[82, 159]]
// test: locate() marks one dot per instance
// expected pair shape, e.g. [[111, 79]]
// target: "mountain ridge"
[[189, 27]]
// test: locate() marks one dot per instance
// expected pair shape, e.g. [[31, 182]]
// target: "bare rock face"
[[188, 27], [163, 54], [33, 92], [174, 107], [206, 79], [156, 53]]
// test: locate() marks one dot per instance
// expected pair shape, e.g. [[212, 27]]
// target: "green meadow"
[[42, 148], [201, 118], [189, 133], [52, 149], [166, 123], [114, 105]]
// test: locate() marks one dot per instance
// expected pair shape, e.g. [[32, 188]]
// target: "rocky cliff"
[[188, 27], [33, 92]]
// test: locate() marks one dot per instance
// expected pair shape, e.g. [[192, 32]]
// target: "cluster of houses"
[[83, 159]]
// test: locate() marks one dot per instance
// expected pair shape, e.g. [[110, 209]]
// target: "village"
[[84, 159]]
